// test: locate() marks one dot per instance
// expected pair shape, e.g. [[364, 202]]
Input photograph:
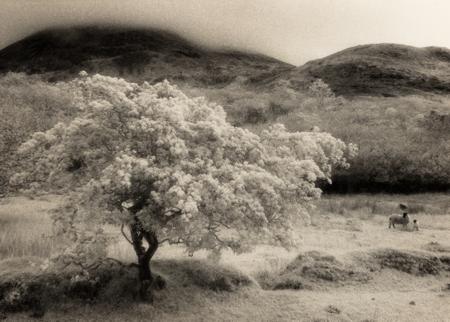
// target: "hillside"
[[379, 70], [152, 55], [136, 54], [394, 105]]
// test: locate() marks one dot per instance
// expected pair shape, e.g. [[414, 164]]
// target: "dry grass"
[[385, 297], [382, 204], [25, 227]]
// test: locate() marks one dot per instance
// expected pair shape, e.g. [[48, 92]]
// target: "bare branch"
[[221, 223], [218, 239], [164, 240], [171, 241], [176, 212], [115, 260], [124, 235]]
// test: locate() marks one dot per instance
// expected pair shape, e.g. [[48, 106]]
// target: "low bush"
[[27, 104]]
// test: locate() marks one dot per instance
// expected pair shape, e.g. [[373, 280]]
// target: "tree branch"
[[221, 223], [176, 212], [124, 235], [171, 242], [218, 239], [115, 260], [164, 240]]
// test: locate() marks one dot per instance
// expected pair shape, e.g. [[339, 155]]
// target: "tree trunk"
[[145, 280], [138, 234]]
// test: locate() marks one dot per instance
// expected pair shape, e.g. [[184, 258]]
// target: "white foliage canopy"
[[178, 165]]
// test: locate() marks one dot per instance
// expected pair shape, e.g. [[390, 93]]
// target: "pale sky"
[[291, 30]]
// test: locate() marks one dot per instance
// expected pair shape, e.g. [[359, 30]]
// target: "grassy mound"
[[311, 270], [202, 274], [411, 262], [315, 270], [26, 286]]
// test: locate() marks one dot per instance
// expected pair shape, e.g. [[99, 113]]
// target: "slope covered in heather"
[[136, 54], [379, 70]]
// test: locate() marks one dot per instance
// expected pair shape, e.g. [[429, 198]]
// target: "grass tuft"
[[25, 228]]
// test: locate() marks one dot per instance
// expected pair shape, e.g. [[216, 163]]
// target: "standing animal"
[[397, 219]]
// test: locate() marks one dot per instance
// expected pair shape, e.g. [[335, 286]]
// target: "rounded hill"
[[135, 54], [379, 70]]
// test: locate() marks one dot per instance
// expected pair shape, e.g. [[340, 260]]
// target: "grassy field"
[[341, 226]]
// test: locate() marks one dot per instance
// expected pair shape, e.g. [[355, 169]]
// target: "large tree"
[[171, 169]]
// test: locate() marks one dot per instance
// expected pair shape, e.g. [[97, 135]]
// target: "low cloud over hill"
[[152, 55]]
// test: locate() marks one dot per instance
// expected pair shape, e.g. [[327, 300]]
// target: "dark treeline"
[[349, 184]]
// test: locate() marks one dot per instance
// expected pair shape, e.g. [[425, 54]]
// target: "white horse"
[[398, 219]]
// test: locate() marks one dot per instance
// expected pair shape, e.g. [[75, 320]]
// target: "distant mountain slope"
[[136, 54], [379, 70], [154, 55]]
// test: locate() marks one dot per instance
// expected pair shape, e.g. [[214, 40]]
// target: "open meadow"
[[352, 268]]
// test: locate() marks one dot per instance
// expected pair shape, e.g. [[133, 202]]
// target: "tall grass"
[[25, 228], [384, 204], [25, 223]]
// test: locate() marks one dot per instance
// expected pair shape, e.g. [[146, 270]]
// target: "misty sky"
[[291, 30]]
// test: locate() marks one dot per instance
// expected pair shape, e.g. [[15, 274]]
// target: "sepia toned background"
[[291, 30]]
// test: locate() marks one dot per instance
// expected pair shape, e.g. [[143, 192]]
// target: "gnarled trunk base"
[[145, 280], [138, 234]]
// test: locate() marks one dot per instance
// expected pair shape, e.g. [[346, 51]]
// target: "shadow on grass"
[[26, 286]]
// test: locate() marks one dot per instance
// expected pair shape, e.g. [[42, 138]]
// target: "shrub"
[[27, 104]]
